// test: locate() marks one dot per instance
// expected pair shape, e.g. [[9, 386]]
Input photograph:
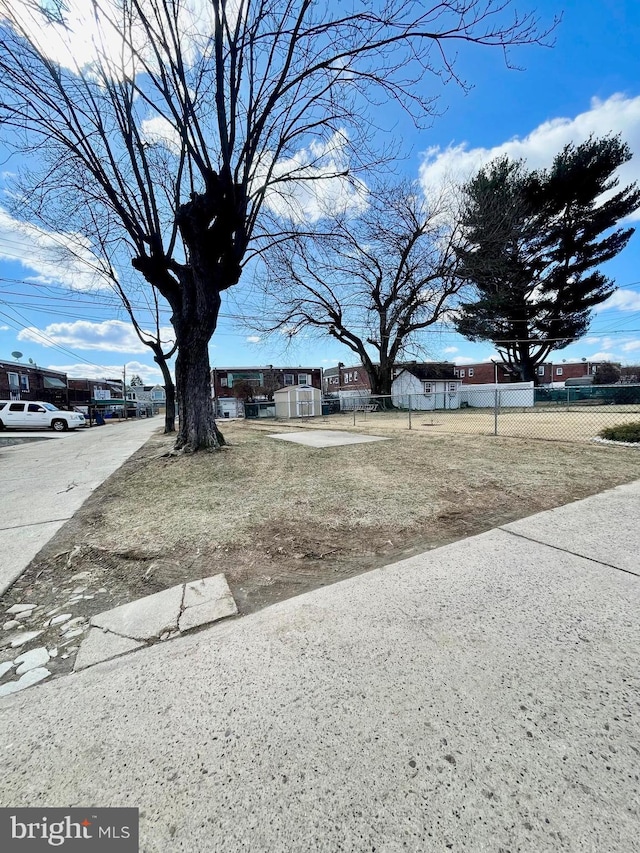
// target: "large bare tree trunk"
[[197, 426]]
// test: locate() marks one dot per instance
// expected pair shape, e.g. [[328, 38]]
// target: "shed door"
[[304, 403]]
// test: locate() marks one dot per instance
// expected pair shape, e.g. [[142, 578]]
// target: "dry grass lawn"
[[555, 423], [280, 518]]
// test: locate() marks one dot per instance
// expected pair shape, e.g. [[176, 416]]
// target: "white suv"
[[34, 414]]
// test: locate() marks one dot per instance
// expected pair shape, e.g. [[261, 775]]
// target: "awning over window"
[[52, 382]]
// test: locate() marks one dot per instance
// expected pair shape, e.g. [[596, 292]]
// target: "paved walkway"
[[45, 482], [483, 696]]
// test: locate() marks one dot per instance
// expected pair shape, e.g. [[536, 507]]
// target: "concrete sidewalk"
[[483, 696], [45, 482]]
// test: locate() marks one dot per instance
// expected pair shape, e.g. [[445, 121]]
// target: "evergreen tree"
[[533, 243]]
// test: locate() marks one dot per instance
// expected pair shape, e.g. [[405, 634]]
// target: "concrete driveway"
[[42, 483]]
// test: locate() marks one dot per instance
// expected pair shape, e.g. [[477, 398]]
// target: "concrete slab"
[[205, 601], [612, 537], [205, 590], [326, 438], [481, 696], [145, 619], [101, 645]]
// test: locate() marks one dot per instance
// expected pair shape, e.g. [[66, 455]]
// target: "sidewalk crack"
[[635, 574]]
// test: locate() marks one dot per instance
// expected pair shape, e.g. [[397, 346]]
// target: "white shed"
[[409, 390], [298, 401]]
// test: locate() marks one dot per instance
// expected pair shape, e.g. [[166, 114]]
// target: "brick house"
[[84, 392], [265, 380], [29, 382], [485, 372], [355, 378]]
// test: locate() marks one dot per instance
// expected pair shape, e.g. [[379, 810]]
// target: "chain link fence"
[[518, 411]]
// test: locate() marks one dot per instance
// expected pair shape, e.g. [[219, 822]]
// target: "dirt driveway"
[[279, 518]]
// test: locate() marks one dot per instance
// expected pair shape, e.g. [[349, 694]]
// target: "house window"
[[223, 382], [288, 379], [14, 381], [453, 387], [427, 388], [461, 374], [541, 370], [303, 379], [558, 371], [24, 382], [470, 372], [355, 376]]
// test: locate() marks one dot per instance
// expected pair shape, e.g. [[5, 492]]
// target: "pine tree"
[[533, 243]]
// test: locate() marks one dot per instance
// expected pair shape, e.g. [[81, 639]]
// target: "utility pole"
[[124, 390]]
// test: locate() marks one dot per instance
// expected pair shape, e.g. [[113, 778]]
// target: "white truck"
[[34, 414]]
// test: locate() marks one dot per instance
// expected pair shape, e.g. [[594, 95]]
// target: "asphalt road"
[[44, 482]]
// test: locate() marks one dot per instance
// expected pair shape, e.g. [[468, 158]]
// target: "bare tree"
[[373, 283], [162, 352], [192, 119]]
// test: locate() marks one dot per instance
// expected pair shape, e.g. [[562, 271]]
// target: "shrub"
[[622, 432]]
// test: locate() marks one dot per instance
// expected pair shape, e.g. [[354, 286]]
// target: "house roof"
[[429, 370], [34, 367], [265, 368]]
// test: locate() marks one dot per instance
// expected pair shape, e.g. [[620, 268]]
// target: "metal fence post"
[[354, 412], [409, 411], [495, 411]]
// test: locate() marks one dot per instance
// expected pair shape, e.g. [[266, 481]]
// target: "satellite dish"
[[16, 354], [31, 361]]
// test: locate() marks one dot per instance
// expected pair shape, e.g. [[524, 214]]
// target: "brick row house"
[[263, 380], [485, 372], [29, 382]]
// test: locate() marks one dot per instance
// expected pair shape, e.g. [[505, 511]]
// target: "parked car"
[[34, 414]]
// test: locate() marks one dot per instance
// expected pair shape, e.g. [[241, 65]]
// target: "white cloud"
[[159, 131], [91, 30], [622, 300], [108, 336], [59, 258], [450, 349], [604, 355], [253, 339], [464, 359], [314, 183], [4, 328], [617, 114], [149, 374]]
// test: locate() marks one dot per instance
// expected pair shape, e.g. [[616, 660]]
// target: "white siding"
[[512, 394], [407, 391]]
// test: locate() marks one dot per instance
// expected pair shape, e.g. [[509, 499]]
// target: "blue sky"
[[587, 83]]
